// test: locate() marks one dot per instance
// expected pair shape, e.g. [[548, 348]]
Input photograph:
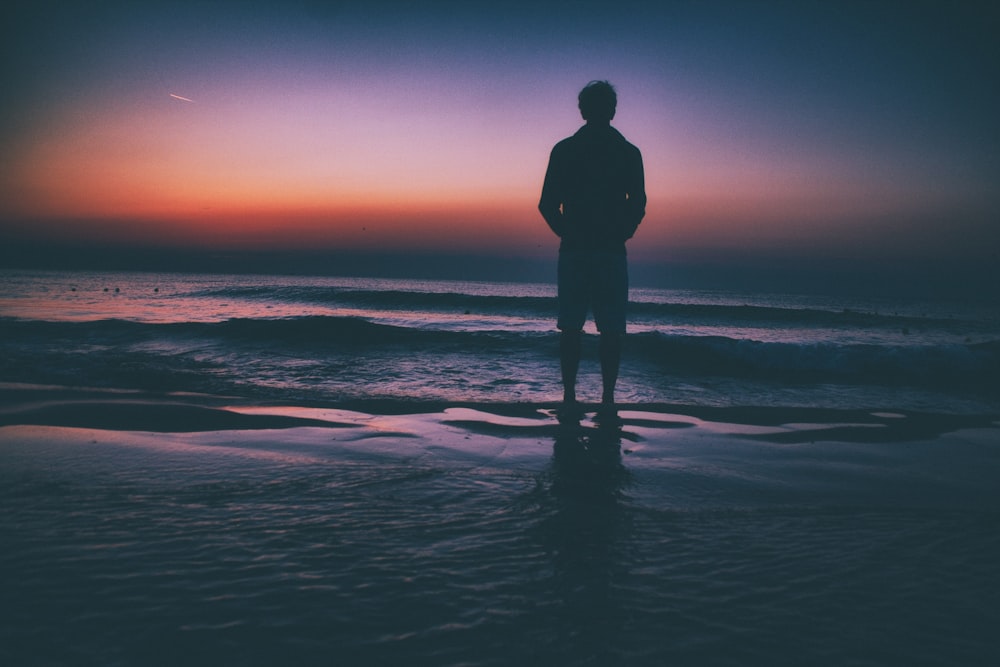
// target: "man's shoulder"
[[629, 146], [585, 139], [566, 144], [633, 149]]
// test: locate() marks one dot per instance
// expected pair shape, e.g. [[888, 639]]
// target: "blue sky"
[[848, 136]]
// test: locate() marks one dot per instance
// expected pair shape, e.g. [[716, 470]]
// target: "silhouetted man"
[[594, 198]]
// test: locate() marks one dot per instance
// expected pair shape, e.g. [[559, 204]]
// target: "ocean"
[[280, 338], [263, 470]]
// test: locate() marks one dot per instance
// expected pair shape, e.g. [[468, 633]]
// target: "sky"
[[850, 142]]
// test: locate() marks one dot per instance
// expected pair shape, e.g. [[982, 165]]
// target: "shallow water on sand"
[[474, 539]]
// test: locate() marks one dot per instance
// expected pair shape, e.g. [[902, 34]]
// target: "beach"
[[490, 534], [264, 470], [291, 366]]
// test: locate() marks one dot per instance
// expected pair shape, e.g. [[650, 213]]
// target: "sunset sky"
[[832, 137]]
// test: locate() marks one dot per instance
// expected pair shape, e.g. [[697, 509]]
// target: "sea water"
[[443, 539], [282, 338]]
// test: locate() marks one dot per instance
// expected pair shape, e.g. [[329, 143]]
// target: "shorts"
[[592, 279]]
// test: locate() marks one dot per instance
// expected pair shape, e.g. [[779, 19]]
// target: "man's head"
[[598, 101]]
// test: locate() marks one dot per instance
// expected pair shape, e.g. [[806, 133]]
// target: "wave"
[[321, 331], [392, 300], [962, 367], [973, 366], [546, 306]]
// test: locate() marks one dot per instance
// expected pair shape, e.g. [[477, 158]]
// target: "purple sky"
[[858, 135]]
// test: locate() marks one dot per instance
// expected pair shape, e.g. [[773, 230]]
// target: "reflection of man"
[[593, 198]]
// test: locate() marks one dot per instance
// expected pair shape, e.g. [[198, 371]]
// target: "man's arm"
[[636, 203], [550, 204]]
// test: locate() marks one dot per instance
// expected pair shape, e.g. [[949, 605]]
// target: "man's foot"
[[570, 412], [607, 415]]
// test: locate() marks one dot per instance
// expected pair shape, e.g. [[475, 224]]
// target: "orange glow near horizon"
[[297, 177], [285, 177], [274, 129]]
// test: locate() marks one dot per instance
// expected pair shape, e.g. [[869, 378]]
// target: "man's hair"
[[598, 101]]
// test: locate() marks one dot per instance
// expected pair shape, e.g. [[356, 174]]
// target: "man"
[[593, 198]]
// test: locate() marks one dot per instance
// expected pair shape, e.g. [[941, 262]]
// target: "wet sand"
[[152, 529]]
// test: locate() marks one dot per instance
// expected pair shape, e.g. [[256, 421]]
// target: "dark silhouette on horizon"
[[593, 198]]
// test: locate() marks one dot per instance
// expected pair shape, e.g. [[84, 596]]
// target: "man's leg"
[[573, 304], [569, 361], [610, 352], [610, 303]]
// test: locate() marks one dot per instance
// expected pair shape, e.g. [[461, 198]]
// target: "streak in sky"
[[773, 134]]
